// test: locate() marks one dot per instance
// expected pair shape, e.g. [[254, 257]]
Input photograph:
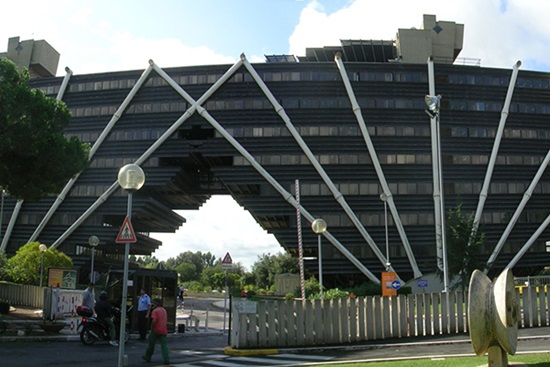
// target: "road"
[[205, 348], [204, 308], [202, 350]]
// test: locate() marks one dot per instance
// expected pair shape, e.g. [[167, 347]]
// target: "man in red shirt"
[[159, 329]]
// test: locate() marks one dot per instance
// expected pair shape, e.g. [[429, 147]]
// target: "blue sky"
[[106, 35]]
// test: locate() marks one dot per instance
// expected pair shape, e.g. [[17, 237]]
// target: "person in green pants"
[[159, 330]]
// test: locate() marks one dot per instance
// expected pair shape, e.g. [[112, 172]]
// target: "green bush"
[[333, 293], [193, 286], [366, 289], [289, 296]]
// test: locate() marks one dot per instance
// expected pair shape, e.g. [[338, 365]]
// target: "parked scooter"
[[92, 330]]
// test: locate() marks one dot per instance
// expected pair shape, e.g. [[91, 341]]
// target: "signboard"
[[126, 233], [422, 283], [245, 306], [227, 262], [388, 278], [396, 284], [62, 278]]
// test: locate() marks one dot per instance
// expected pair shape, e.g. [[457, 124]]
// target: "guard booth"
[[158, 283]]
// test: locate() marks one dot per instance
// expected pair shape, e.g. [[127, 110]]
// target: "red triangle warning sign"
[[126, 234], [227, 259]]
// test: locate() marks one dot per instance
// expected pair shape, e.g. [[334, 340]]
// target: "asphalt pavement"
[[210, 336]]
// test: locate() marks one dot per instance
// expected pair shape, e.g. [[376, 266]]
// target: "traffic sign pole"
[[227, 263]]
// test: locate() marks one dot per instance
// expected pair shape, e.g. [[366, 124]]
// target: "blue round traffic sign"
[[396, 284]]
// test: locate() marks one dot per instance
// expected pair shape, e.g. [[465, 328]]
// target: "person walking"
[[159, 330], [88, 297], [144, 311]]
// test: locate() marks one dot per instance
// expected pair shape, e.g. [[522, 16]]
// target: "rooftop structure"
[[38, 57]]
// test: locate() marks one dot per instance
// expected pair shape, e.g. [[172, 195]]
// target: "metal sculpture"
[[493, 311]]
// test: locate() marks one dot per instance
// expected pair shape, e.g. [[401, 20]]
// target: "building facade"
[[347, 123]]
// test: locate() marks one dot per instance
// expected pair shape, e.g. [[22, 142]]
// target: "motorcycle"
[[92, 330]]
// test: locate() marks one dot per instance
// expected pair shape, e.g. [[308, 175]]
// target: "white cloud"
[[220, 226], [129, 52], [498, 38]]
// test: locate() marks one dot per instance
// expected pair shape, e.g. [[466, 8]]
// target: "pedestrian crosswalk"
[[276, 360]]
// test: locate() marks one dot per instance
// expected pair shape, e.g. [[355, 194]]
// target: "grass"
[[532, 360]]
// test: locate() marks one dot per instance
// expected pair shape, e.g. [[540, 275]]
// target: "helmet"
[[103, 295]]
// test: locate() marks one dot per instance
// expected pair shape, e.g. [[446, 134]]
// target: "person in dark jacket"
[[104, 312]]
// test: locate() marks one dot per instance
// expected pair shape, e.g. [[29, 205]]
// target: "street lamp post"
[[93, 241], [384, 198], [433, 103], [131, 178], [319, 226], [42, 249]]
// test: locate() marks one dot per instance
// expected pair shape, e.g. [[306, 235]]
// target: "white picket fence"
[[279, 323], [22, 295]]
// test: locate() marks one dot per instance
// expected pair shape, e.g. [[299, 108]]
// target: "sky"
[[106, 35]]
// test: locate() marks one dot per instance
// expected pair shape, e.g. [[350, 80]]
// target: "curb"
[[230, 351], [76, 337], [256, 352]]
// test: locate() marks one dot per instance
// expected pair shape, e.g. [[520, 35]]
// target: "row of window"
[[345, 130], [421, 219], [420, 188], [342, 220], [316, 103], [339, 159], [397, 76], [108, 162], [83, 250], [455, 131], [369, 189], [396, 249]]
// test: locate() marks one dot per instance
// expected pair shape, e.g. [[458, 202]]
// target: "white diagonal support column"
[[517, 213], [188, 113], [93, 150], [529, 243], [339, 197], [197, 106], [494, 152], [284, 193], [439, 207], [377, 167]]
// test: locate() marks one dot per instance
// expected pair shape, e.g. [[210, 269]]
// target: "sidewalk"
[[19, 317], [23, 316]]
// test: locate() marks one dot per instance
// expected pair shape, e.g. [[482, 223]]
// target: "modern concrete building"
[[347, 122], [38, 57]]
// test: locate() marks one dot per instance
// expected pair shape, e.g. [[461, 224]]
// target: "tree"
[[3, 266], [148, 262], [187, 272], [463, 253], [199, 259], [24, 266], [267, 266], [36, 158]]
